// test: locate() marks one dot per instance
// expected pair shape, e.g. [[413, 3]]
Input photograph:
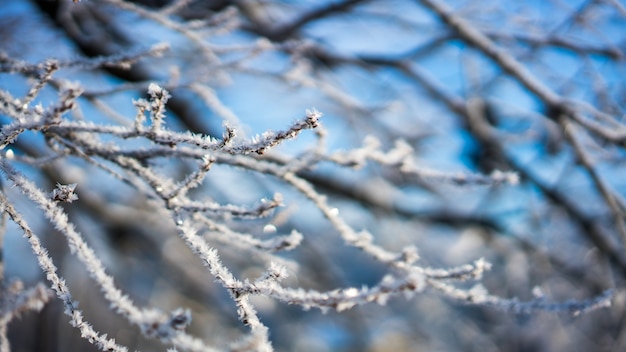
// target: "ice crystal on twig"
[[65, 193]]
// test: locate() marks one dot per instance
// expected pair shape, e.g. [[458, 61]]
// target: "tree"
[[339, 175]]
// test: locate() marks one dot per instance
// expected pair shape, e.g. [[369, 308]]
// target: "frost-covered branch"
[[120, 157]]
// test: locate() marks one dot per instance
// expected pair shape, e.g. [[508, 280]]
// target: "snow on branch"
[[146, 319], [202, 223], [401, 157]]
